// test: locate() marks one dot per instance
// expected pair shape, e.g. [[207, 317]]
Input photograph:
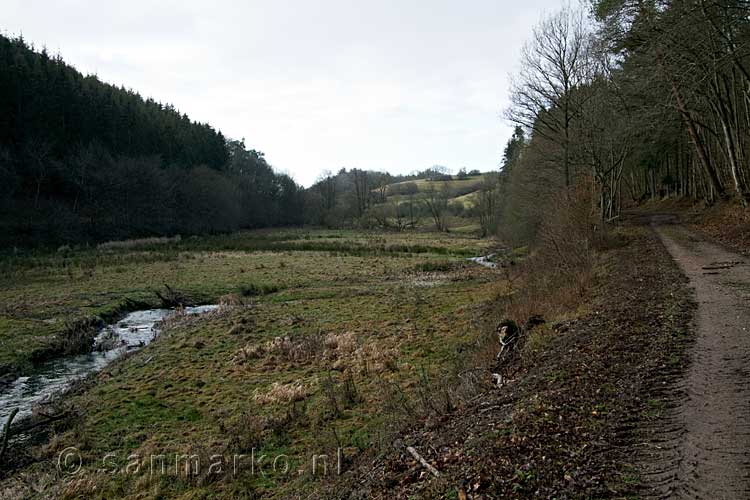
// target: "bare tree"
[[487, 204], [554, 64], [327, 186], [436, 201], [604, 139], [361, 190], [383, 181]]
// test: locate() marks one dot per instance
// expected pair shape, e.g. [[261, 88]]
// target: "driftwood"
[[6, 433], [173, 298], [422, 461], [48, 419]]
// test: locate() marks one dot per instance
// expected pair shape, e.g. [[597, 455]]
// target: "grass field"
[[354, 324], [43, 293], [426, 184], [463, 191], [467, 200]]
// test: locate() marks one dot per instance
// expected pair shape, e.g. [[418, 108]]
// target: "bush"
[[253, 289], [558, 273]]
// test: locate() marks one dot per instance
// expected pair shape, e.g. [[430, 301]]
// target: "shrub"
[[253, 289]]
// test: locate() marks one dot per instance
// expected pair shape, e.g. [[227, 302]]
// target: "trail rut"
[[702, 445]]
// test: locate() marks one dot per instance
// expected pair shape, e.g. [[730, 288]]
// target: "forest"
[[85, 161], [619, 102], [629, 101]]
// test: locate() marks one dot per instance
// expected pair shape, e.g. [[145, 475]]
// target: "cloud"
[[315, 85]]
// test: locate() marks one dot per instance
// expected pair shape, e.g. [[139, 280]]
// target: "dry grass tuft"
[[370, 358], [341, 351], [307, 348], [138, 242], [341, 343], [247, 353], [282, 393], [230, 300]]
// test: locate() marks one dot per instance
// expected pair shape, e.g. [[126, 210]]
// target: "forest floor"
[[645, 395]]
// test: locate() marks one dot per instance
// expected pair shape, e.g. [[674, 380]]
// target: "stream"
[[485, 260], [50, 378], [132, 332]]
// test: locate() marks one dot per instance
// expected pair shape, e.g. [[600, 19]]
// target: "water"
[[485, 261], [134, 331]]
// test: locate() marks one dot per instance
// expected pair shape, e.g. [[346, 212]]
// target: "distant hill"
[[461, 190], [368, 198]]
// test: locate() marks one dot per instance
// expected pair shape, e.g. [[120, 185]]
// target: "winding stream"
[[134, 331]]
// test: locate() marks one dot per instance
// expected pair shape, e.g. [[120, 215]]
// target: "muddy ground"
[[704, 445]]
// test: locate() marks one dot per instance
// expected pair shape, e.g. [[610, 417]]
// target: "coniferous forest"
[[82, 160]]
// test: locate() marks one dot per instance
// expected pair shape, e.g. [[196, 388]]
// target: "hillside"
[[471, 183], [428, 199], [462, 191], [82, 160]]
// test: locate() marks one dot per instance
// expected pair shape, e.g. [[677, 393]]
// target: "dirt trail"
[[702, 449]]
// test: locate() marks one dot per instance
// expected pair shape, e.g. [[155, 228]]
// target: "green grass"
[[467, 200], [425, 184], [403, 300], [191, 391], [41, 291], [253, 289]]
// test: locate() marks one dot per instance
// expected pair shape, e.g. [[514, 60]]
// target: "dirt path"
[[703, 444]]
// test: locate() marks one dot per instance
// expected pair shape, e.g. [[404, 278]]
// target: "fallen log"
[[422, 461]]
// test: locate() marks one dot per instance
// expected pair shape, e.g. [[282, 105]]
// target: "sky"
[[316, 85]]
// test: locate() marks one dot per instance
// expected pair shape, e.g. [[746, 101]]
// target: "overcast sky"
[[318, 84]]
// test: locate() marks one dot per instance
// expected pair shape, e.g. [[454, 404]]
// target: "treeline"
[[82, 160], [348, 197], [631, 100]]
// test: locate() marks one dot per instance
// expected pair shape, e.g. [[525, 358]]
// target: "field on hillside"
[[461, 191], [425, 184], [323, 338]]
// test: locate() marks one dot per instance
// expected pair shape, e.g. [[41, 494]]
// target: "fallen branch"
[[422, 461], [611, 219], [6, 433], [48, 419]]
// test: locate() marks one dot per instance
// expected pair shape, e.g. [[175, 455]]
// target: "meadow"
[[324, 341], [462, 191]]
